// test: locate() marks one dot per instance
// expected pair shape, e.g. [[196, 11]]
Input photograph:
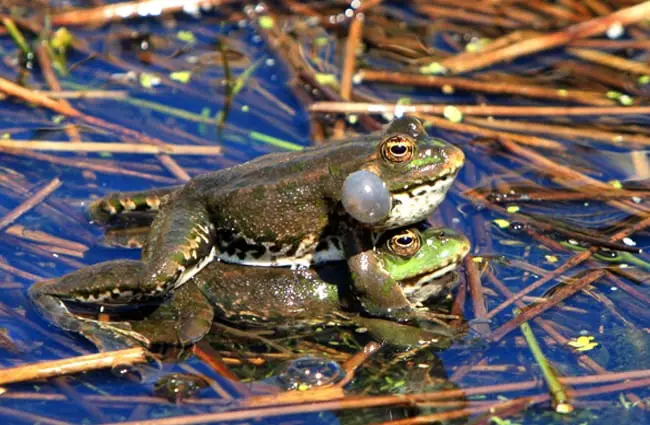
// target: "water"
[[617, 320]]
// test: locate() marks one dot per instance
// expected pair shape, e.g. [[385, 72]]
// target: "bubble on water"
[[308, 372], [177, 387], [629, 242], [616, 30], [366, 197]]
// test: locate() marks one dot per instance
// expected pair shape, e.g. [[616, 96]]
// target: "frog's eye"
[[404, 244], [398, 148]]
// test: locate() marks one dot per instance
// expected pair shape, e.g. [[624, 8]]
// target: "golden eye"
[[398, 148], [404, 244]]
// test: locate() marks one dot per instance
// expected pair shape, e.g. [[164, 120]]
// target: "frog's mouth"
[[430, 283], [415, 202]]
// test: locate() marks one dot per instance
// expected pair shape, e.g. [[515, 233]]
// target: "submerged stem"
[[560, 397]]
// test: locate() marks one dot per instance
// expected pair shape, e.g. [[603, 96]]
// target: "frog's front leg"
[[114, 205], [181, 242], [378, 293]]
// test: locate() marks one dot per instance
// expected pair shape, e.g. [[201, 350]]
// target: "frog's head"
[[417, 170], [421, 260]]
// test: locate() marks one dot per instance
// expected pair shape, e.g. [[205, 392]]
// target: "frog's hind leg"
[[182, 319], [50, 298], [105, 336], [116, 208]]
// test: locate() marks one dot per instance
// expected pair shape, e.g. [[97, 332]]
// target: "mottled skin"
[[263, 296], [280, 209]]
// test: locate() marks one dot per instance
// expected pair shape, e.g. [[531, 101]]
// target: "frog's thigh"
[[113, 205], [182, 320], [180, 244]]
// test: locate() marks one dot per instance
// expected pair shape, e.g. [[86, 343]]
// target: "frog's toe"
[[102, 210], [196, 313], [160, 332], [180, 331], [140, 373], [132, 237], [400, 335]]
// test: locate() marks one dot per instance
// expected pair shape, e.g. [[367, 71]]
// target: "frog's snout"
[[454, 155]]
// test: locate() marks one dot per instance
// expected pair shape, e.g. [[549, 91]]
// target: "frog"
[[419, 260], [281, 209]]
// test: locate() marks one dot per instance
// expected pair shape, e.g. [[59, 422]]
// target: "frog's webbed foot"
[[111, 336], [180, 244], [116, 207]]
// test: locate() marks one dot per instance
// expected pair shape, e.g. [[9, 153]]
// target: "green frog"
[[419, 261], [282, 209]]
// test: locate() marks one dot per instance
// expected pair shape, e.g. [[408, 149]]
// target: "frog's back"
[[286, 168], [278, 209]]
